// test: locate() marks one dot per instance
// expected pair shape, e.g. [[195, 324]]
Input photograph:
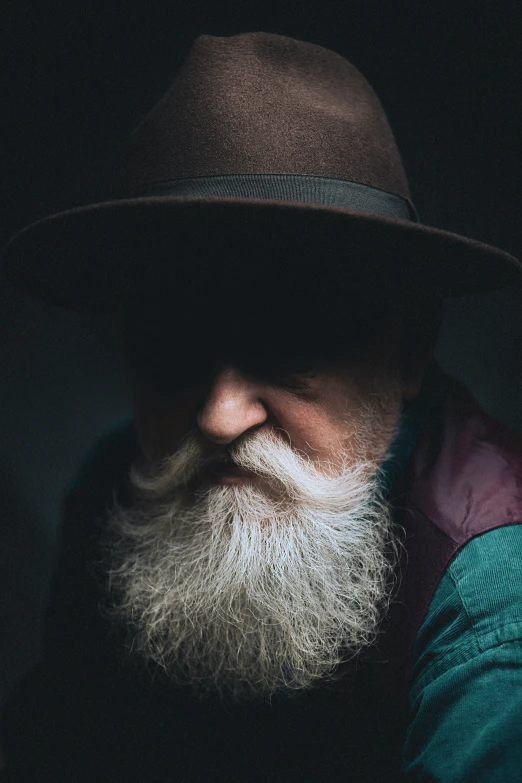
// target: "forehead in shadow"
[[196, 310]]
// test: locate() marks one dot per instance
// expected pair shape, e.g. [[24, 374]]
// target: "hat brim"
[[91, 257]]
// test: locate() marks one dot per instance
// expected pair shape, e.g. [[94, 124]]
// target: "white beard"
[[251, 589]]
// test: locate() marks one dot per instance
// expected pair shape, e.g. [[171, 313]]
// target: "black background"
[[76, 79]]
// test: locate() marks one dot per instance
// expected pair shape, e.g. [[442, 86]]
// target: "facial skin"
[[262, 574]]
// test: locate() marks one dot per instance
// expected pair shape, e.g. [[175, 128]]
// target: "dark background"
[[77, 77]]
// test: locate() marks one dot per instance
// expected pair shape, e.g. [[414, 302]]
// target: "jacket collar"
[[415, 415]]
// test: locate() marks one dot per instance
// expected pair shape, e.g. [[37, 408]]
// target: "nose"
[[231, 407]]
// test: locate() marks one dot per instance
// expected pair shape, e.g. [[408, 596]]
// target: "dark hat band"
[[309, 189]]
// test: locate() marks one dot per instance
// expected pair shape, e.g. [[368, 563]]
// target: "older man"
[[301, 560]]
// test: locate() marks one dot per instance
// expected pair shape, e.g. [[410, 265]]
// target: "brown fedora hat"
[[267, 157]]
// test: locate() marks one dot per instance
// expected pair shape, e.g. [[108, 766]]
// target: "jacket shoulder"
[[104, 470], [470, 479]]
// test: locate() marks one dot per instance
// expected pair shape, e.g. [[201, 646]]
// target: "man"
[[301, 560]]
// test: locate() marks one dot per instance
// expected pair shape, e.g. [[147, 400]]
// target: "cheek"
[[320, 432], [162, 423], [336, 426]]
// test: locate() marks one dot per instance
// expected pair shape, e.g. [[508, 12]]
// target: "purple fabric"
[[465, 478]]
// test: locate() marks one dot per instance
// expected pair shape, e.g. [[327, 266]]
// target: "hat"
[[270, 159]]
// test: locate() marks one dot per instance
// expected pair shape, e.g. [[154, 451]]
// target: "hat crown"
[[260, 103]]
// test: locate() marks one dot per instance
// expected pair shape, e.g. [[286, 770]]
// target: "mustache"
[[191, 463], [265, 453]]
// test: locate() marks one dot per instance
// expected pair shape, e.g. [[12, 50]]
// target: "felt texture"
[[257, 103]]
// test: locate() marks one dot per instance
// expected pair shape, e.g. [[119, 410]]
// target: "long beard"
[[252, 589]]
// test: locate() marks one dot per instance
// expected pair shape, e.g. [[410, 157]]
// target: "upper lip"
[[243, 471], [230, 468]]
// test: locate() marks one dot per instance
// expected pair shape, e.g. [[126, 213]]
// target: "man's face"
[[258, 551]]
